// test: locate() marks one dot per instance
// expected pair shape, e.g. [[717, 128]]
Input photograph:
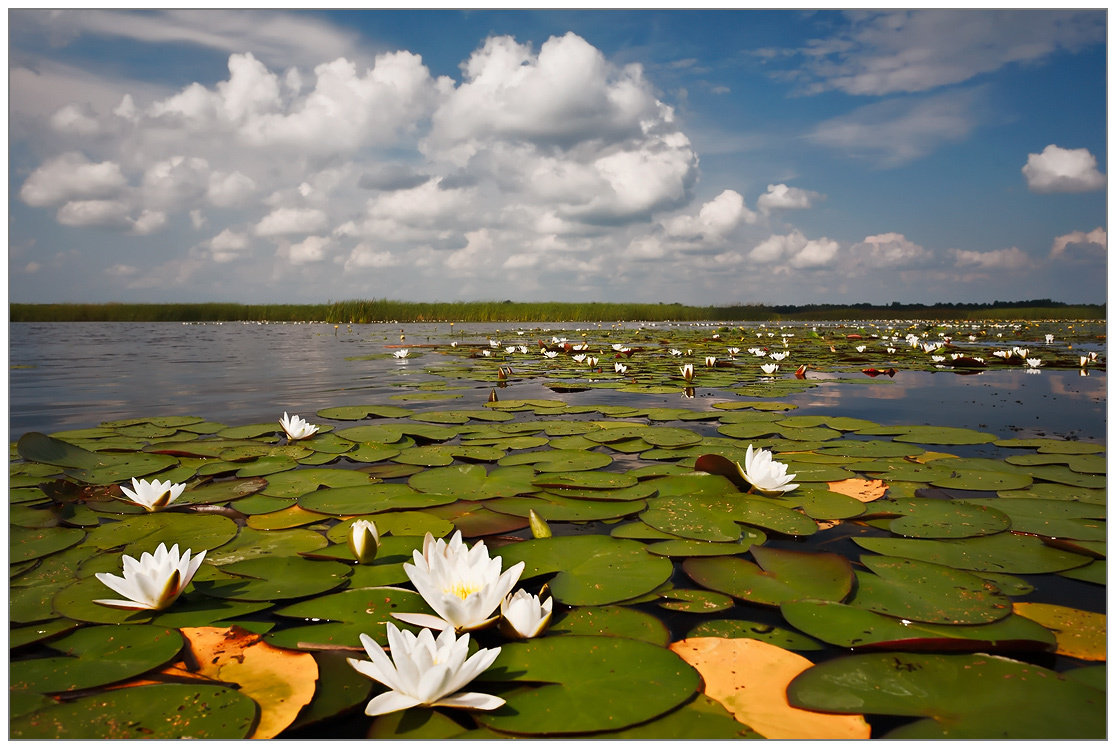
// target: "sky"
[[711, 157]]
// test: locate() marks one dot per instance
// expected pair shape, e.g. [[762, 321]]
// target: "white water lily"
[[493, 343], [687, 371], [364, 541], [592, 361], [620, 368], [579, 358], [675, 352], [860, 349], [152, 495], [778, 355], [769, 369], [510, 349], [766, 475], [1050, 338], [296, 428], [425, 671], [710, 361], [401, 353], [522, 349], [523, 616], [733, 351], [937, 358], [1034, 363], [463, 586], [550, 354], [154, 581]]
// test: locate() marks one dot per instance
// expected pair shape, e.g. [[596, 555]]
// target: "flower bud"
[[539, 528], [523, 616], [364, 541]]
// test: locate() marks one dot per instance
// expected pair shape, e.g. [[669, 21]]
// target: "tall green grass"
[[386, 310]]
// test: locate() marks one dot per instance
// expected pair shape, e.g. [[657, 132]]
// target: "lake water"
[[76, 375]]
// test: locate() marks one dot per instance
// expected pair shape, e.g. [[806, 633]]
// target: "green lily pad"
[[553, 508], [927, 592], [251, 543], [935, 518], [872, 449], [218, 492], [19, 637], [274, 579], [558, 461], [95, 656], [849, 626], [25, 544], [927, 435], [366, 500], [340, 688], [780, 575], [298, 482], [788, 639], [140, 533], [1003, 552], [473, 482], [695, 601], [157, 711], [345, 616], [356, 413], [959, 696], [591, 570], [581, 688], [611, 621]]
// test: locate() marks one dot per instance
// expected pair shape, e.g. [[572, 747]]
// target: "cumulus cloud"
[[877, 53], [105, 214], [228, 246], [894, 132], [1063, 170], [229, 189], [787, 198], [714, 221], [75, 119], [1079, 244], [1010, 259], [309, 250], [71, 176], [816, 254], [888, 250], [366, 256], [284, 221]]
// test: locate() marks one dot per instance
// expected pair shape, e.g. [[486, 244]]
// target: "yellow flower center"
[[462, 589]]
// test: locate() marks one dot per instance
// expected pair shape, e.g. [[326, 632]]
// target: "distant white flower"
[[769, 369], [1084, 361], [296, 428], [733, 351], [425, 671], [710, 361], [778, 355], [510, 349], [617, 347], [687, 371], [675, 352], [1020, 352], [401, 353], [453, 344], [463, 586], [591, 361], [486, 352], [937, 358], [620, 368], [152, 495], [550, 354], [493, 343], [522, 349], [1034, 362], [579, 358], [523, 616], [972, 338], [364, 541], [154, 582], [766, 475], [860, 349], [1050, 338], [890, 350]]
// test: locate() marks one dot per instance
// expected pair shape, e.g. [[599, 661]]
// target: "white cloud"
[[888, 250], [75, 119], [1079, 243], [98, 213], [714, 221], [476, 256], [366, 256], [781, 196], [1010, 259], [228, 245], [777, 246], [908, 51], [71, 176], [229, 189], [816, 254], [149, 222], [309, 250], [1063, 170], [894, 132], [175, 182], [284, 221]]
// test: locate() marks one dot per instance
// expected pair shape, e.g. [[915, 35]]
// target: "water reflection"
[[76, 375]]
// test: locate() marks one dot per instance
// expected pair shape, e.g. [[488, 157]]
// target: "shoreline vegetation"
[[390, 311]]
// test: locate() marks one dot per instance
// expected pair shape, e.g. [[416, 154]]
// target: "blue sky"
[[702, 157]]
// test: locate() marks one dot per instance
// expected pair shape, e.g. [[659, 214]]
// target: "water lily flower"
[[591, 360], [1034, 363], [296, 428], [860, 349], [937, 358], [1020, 352], [579, 358], [620, 368], [453, 344], [425, 671], [766, 475], [486, 352], [687, 371], [617, 347], [510, 349], [733, 351], [890, 350], [675, 352], [778, 355], [550, 354], [493, 343], [154, 582], [364, 541], [1050, 338], [710, 361], [463, 586], [1084, 361], [522, 349], [769, 369], [152, 495], [401, 353], [523, 616]]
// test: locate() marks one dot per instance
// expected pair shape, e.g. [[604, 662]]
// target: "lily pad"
[[611, 621], [1003, 552], [927, 592], [366, 500], [958, 696], [581, 689], [274, 578], [339, 619], [780, 575]]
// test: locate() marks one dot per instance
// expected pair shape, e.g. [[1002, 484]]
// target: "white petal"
[[424, 620], [389, 702], [471, 700]]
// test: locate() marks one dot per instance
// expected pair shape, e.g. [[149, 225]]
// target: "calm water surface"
[[76, 375]]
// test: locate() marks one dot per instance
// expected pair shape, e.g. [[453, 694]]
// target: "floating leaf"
[[749, 678], [578, 687], [1003, 552], [1080, 634], [754, 630], [611, 621], [338, 619], [781, 575], [960, 696], [927, 592], [274, 579], [366, 500]]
